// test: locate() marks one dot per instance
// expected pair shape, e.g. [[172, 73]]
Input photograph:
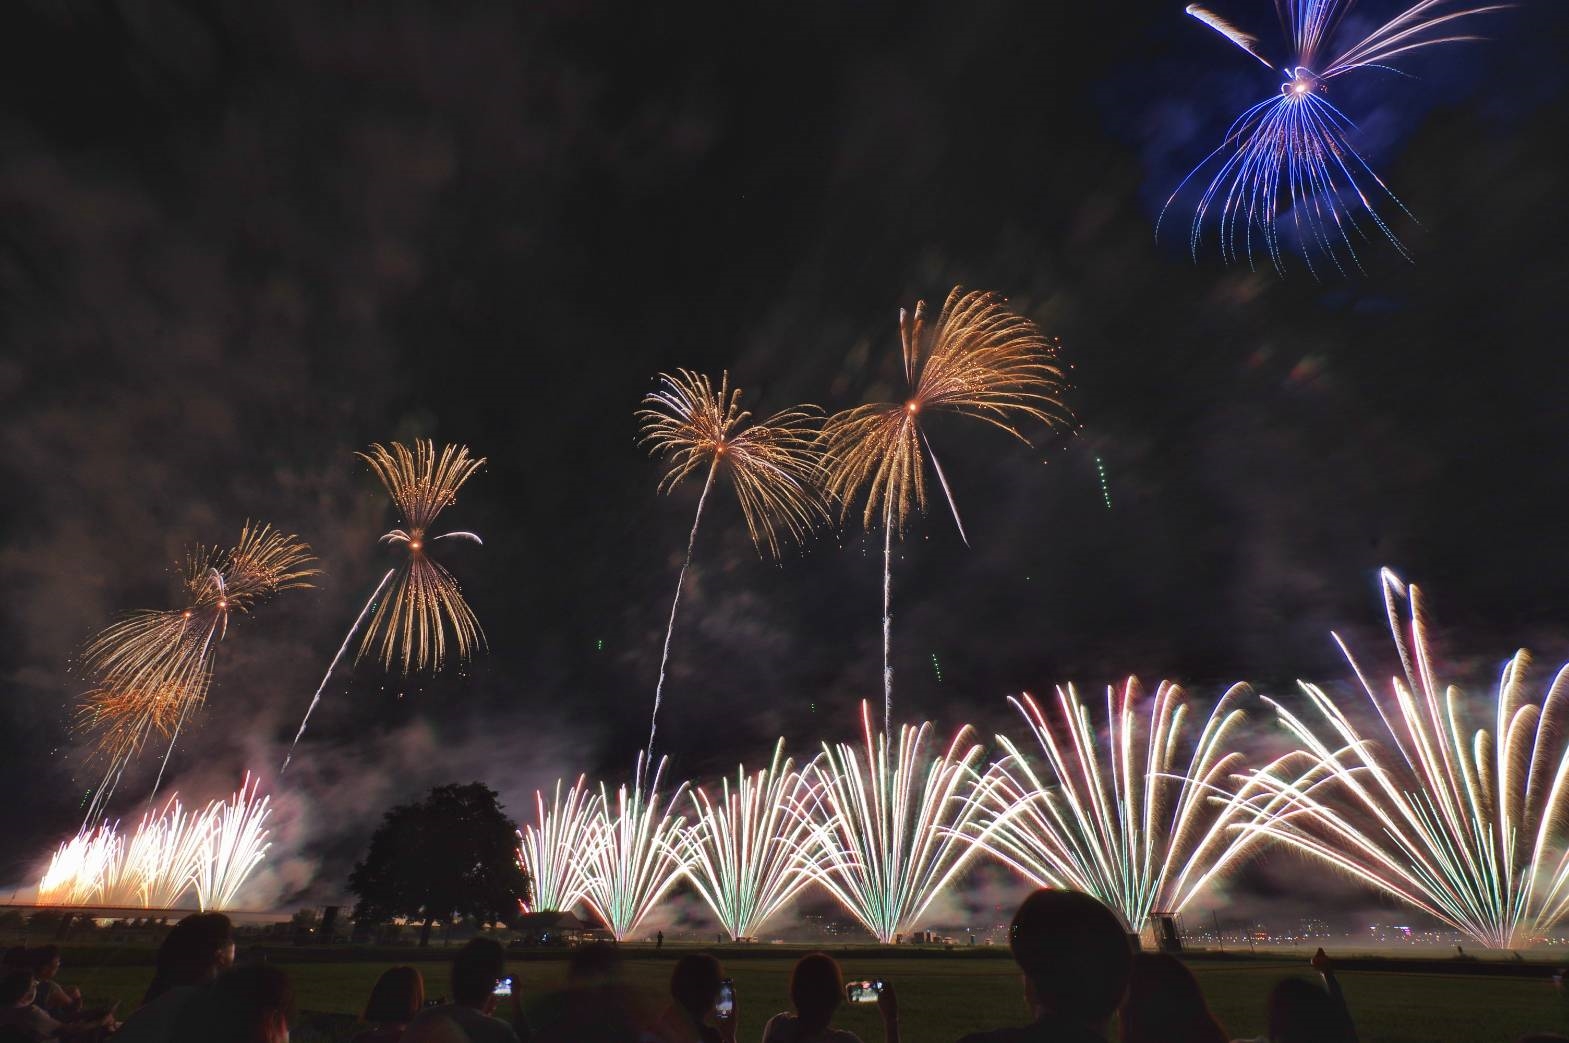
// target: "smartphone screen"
[[724, 1003], [863, 991], [504, 986]]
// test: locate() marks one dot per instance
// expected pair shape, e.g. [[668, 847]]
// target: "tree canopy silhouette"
[[453, 854]]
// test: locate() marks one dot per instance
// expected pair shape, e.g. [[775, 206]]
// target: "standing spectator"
[[816, 990], [1165, 1005], [44, 962], [395, 999], [194, 952], [1076, 962], [694, 988], [245, 1005], [476, 971]]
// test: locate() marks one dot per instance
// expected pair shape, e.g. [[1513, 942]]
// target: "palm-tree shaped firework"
[[635, 855], [893, 827], [978, 360], [411, 623], [552, 849], [772, 466], [153, 667], [1121, 818], [1469, 827], [747, 851]]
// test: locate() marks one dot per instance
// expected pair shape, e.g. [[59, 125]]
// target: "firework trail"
[[171, 853], [1292, 152], [153, 668], [772, 466], [332, 666], [411, 623], [1121, 817], [425, 598], [553, 850], [747, 852], [1468, 826], [892, 828], [636, 854], [978, 360]]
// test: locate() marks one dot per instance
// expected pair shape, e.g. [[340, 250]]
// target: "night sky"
[[240, 241]]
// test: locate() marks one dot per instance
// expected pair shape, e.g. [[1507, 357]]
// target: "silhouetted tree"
[[452, 854]]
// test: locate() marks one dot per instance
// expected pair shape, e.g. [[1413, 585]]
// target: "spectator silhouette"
[[476, 971], [192, 954], [694, 988], [44, 962], [816, 990], [394, 1001], [1076, 962], [595, 1005], [244, 1005], [1165, 1005], [1302, 1012]]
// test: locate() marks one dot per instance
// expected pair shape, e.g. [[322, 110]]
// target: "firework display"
[[152, 668], [551, 850], [895, 819], [1118, 815], [1290, 157], [978, 360], [748, 851], [635, 853], [410, 625], [772, 466], [1468, 826], [172, 855]]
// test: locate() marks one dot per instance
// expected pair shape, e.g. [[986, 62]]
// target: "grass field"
[[943, 997]]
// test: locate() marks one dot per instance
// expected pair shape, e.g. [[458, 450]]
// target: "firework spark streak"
[[772, 466], [1291, 154], [978, 360], [893, 826], [552, 850], [316, 698], [171, 854], [1468, 826], [1121, 818], [748, 850], [235, 845], [636, 854], [153, 668], [411, 623]]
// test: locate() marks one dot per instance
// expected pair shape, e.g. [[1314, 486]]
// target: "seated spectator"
[[476, 971], [1076, 962], [193, 953], [1165, 1005], [816, 990], [44, 962], [394, 1001], [245, 1005], [694, 988], [595, 1005], [22, 1019]]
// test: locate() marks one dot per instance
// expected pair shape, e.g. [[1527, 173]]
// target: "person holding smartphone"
[[479, 985], [816, 990], [697, 985]]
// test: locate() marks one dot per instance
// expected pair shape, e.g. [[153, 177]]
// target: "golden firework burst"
[[410, 624]]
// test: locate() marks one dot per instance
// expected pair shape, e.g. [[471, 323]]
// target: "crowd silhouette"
[[1082, 982]]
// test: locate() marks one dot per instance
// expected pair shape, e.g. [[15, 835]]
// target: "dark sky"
[[240, 241]]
